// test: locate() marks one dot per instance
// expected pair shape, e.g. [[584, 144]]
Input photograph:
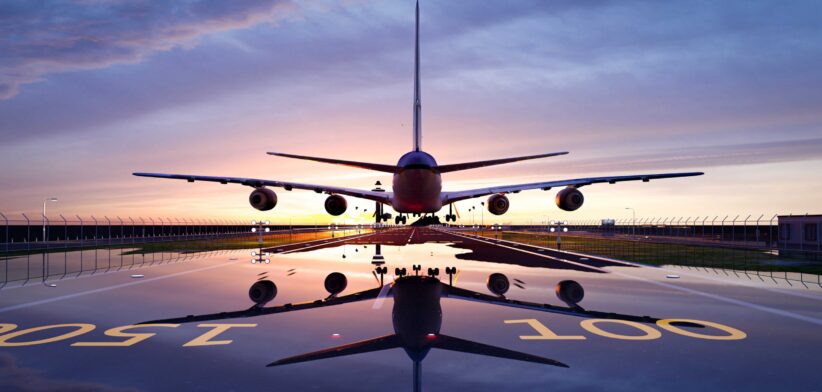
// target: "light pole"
[[633, 220], [50, 199], [259, 228], [559, 229], [482, 215]]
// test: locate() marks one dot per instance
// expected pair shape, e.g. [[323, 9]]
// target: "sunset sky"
[[93, 90]]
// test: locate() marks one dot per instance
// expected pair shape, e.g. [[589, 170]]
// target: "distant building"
[[799, 236]]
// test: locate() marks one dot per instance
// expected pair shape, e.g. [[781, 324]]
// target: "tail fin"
[[417, 98]]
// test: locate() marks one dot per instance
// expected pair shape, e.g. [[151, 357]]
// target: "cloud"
[[41, 38], [18, 379]]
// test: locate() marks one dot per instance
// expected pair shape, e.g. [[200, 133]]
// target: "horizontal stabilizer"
[[365, 346], [466, 346], [361, 165], [474, 165]]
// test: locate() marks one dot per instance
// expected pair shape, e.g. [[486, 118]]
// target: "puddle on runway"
[[782, 350]]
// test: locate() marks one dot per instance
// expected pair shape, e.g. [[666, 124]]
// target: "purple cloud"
[[41, 38]]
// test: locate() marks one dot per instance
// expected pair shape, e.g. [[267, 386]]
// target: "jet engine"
[[569, 199], [335, 283], [498, 204], [498, 283], [335, 205], [570, 292], [263, 199], [262, 292]]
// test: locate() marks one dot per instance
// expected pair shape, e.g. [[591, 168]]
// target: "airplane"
[[416, 314], [417, 180]]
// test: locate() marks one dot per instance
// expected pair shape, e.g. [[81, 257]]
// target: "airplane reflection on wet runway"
[[416, 314]]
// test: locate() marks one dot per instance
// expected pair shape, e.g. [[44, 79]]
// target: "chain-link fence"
[[49, 249], [756, 247]]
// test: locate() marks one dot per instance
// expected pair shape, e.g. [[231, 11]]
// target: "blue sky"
[[91, 91]]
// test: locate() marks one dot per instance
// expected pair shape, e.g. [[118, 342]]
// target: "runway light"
[[565, 229], [267, 261], [267, 229], [253, 253], [253, 229], [253, 222], [253, 261]]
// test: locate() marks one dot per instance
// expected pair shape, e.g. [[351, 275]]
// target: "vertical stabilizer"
[[417, 103]]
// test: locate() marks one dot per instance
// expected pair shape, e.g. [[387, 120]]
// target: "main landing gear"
[[450, 217], [400, 219]]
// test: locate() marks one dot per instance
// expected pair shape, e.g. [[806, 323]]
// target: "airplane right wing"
[[468, 295], [383, 197], [451, 197]]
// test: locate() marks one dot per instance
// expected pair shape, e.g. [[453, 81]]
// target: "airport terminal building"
[[799, 236]]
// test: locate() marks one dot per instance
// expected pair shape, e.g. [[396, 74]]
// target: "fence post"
[[143, 225], [7, 233], [6, 258], [722, 230], [109, 241], [132, 229], [96, 227], [757, 228], [733, 228], [686, 223], [122, 231], [82, 242]]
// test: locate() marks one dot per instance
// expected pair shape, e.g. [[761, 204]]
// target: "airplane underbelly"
[[417, 191]]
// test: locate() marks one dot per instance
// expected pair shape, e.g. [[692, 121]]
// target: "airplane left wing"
[[255, 311], [450, 197], [383, 197]]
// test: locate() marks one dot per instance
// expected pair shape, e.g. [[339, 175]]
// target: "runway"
[[77, 334]]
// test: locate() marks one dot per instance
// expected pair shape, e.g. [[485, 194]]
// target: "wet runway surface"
[[634, 329]]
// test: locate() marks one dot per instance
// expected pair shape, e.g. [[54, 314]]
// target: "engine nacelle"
[[498, 283], [263, 199], [570, 292], [569, 199], [262, 292], [498, 204], [335, 283], [335, 205]]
